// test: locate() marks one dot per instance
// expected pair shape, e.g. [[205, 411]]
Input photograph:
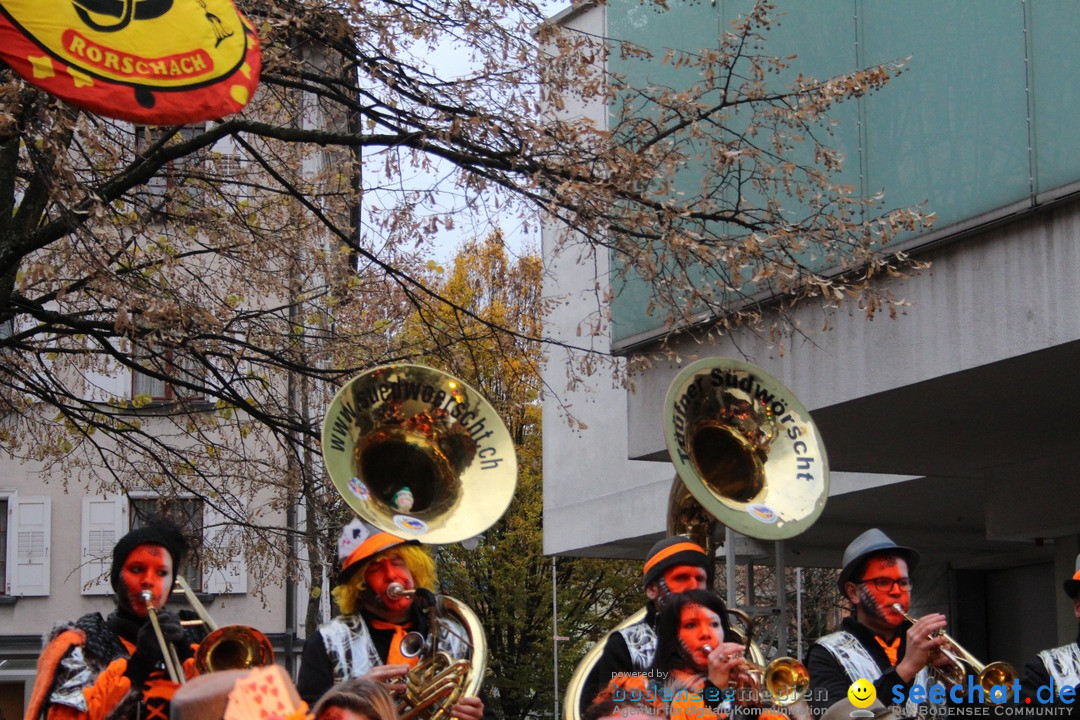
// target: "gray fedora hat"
[[872, 542]]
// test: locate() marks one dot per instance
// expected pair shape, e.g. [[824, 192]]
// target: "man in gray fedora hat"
[[876, 643], [1058, 668]]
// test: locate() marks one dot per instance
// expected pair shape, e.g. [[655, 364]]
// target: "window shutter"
[[29, 528], [104, 521], [223, 541]]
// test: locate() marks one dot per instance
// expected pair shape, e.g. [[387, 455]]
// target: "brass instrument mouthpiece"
[[147, 596], [396, 590], [707, 648]]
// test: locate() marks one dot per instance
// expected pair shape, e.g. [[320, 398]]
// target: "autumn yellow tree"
[[486, 334]]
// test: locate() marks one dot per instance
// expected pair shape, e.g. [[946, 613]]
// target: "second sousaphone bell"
[[746, 448], [749, 457]]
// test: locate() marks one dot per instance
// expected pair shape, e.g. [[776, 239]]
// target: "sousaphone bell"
[[746, 449], [420, 454]]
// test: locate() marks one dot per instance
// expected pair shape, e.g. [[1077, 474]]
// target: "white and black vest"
[[641, 642], [352, 652], [1063, 665], [859, 663]]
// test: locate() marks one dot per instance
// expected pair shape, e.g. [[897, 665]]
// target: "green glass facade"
[[980, 122]]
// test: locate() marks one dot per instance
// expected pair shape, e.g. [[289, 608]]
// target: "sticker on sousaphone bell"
[[763, 513], [359, 489], [410, 524]]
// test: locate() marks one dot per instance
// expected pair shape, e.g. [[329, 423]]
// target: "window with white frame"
[[107, 519], [233, 170], [185, 513], [24, 545], [174, 365], [173, 174]]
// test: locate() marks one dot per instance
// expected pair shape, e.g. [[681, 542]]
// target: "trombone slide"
[[168, 652]]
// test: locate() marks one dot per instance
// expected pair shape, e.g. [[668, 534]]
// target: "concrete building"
[[948, 427]]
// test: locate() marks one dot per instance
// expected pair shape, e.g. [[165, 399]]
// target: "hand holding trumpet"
[[923, 647], [727, 665]]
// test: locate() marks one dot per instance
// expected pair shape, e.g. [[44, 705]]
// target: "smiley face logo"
[[862, 693]]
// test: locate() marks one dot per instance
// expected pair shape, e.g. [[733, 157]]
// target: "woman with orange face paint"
[[97, 667], [695, 650], [695, 664], [673, 565]]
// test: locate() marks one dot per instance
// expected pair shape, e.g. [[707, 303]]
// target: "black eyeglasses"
[[885, 584]]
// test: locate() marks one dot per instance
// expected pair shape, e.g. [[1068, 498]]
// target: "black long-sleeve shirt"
[[829, 681], [614, 659]]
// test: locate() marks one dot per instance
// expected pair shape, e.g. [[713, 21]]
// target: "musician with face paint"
[[673, 565], [698, 670], [877, 643], [366, 639], [113, 667], [694, 648]]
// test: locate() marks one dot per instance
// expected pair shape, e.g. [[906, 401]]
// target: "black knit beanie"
[[155, 532], [672, 551]]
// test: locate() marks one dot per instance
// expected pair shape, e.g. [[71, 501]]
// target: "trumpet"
[[954, 673], [232, 647], [785, 678]]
